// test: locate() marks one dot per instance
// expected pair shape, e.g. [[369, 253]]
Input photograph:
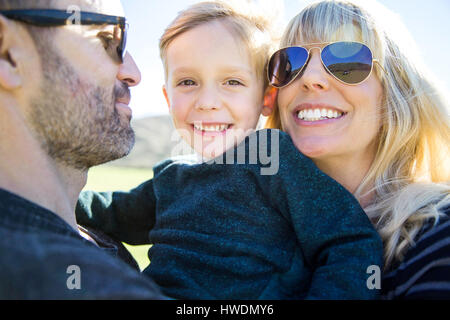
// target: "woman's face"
[[328, 119]]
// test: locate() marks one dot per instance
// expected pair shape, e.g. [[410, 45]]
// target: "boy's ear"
[[10, 78], [166, 96], [270, 98]]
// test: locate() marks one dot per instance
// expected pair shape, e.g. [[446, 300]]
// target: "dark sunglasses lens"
[[350, 62], [285, 65], [122, 45], [114, 37]]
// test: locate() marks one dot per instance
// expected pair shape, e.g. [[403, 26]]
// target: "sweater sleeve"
[[124, 216], [337, 239]]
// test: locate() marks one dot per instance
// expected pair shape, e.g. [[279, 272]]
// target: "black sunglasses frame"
[[54, 18]]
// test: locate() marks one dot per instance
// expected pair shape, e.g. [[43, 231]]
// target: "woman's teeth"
[[316, 114], [211, 128]]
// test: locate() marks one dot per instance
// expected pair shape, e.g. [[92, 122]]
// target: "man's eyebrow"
[[92, 27], [98, 26]]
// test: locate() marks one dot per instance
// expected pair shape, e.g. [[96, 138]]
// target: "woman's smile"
[[308, 114]]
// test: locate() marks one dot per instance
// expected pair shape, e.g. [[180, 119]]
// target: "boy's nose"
[[207, 107], [208, 99]]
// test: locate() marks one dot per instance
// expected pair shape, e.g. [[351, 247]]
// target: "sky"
[[428, 22]]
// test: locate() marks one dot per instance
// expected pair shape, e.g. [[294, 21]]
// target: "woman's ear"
[[270, 98]]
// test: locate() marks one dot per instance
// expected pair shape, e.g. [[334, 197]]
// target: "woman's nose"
[[314, 76]]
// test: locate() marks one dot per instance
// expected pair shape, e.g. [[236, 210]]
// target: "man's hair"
[[38, 34], [253, 30], [25, 4]]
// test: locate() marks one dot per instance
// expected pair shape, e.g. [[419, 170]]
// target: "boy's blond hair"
[[253, 30]]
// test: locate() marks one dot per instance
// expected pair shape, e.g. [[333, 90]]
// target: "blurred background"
[[427, 21]]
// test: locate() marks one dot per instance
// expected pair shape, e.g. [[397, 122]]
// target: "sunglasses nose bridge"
[[310, 49], [314, 70], [311, 57]]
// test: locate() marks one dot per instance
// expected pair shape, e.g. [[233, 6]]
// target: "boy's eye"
[[233, 83], [187, 83]]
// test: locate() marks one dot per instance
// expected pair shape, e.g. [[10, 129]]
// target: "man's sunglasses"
[[115, 39], [348, 62]]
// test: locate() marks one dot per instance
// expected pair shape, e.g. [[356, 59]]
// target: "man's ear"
[[10, 78], [166, 96], [270, 99]]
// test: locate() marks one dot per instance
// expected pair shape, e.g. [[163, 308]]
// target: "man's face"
[[79, 110]]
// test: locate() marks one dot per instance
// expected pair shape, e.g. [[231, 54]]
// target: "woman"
[[358, 102]]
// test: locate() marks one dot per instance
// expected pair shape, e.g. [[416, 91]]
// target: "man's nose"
[[129, 72]]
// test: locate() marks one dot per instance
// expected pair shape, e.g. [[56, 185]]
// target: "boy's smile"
[[212, 89], [211, 129]]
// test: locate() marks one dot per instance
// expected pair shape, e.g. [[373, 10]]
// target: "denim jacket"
[[42, 257]]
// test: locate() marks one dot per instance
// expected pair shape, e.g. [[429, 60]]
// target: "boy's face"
[[214, 94]]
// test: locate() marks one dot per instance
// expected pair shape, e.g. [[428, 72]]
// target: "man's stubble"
[[77, 123]]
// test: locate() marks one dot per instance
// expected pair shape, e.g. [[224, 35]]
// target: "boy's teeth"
[[211, 128], [317, 114]]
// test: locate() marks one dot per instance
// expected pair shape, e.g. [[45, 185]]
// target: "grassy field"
[[108, 178]]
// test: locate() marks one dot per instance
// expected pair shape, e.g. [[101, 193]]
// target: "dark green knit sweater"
[[229, 231]]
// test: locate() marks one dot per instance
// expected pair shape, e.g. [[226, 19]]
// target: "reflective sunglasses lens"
[[285, 64], [350, 62]]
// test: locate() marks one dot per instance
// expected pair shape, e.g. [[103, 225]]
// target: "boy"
[[228, 231]]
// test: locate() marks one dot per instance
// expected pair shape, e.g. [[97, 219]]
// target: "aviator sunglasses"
[[115, 38], [349, 62]]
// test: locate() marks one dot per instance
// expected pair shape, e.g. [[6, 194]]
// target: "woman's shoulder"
[[425, 271]]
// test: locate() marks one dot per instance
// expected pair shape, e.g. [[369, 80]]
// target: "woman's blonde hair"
[[411, 171], [254, 29]]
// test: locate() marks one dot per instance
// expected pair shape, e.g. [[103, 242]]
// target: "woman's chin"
[[312, 149]]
